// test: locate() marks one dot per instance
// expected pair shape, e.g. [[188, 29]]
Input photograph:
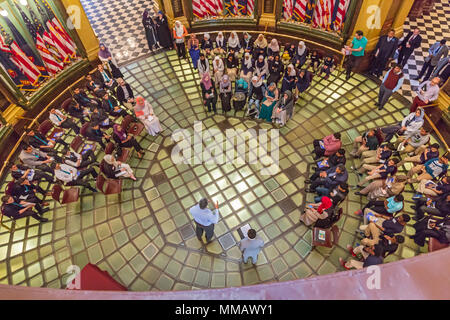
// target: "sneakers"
[[358, 212], [342, 263], [357, 193]]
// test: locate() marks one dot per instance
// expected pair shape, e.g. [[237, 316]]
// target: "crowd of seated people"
[[103, 103], [268, 77]]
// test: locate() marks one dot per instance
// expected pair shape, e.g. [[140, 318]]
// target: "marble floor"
[[144, 236]]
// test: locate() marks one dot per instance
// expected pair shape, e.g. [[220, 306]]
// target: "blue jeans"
[[256, 102], [322, 191]]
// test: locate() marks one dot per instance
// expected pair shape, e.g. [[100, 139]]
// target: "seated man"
[[433, 228], [368, 141], [330, 162], [435, 207], [38, 141], [422, 155], [329, 179], [380, 155], [374, 256], [72, 177], [16, 210], [19, 171], [432, 169], [76, 111], [23, 190], [124, 93], [411, 123], [36, 159], [77, 160], [60, 120], [434, 189], [111, 106], [388, 207], [101, 117], [327, 146], [105, 77], [384, 188], [82, 99], [379, 172], [94, 87], [414, 142], [337, 194], [94, 133], [383, 225]]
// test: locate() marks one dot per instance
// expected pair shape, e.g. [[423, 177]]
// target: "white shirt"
[[66, 173], [57, 118]]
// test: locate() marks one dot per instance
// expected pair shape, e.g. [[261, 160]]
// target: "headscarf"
[[179, 30], [420, 118], [292, 73], [120, 133], [217, 58], [248, 62], [225, 82], [274, 46], [140, 104], [109, 159], [301, 51], [207, 36], [220, 38], [258, 82], [248, 37], [233, 42], [261, 43], [325, 204], [273, 85], [260, 64], [104, 54], [206, 80]]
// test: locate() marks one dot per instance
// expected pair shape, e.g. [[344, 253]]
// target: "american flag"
[[322, 14], [287, 9], [250, 7], [340, 15], [198, 8], [300, 10], [21, 61]]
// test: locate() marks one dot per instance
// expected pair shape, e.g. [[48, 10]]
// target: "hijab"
[[233, 41], [274, 45], [325, 204], [109, 159], [140, 104], [120, 133], [179, 28], [258, 82], [217, 62], [301, 48], [206, 80], [248, 37], [248, 62], [261, 43], [419, 118], [260, 64], [225, 82], [104, 54], [292, 73], [220, 39]]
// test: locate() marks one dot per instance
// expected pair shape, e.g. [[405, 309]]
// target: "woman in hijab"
[[144, 112], [225, 93], [194, 50], [203, 65], [207, 45], [276, 68], [108, 61], [163, 32], [260, 46], [232, 65], [289, 78], [284, 109], [150, 30], [269, 101], [291, 49], [221, 45], [316, 211], [256, 94], [125, 140], [261, 68], [208, 92], [247, 43], [301, 53], [179, 33], [218, 69], [114, 169], [247, 67], [233, 42], [274, 48], [409, 125], [303, 82]]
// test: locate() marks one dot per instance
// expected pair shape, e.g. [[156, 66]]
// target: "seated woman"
[[247, 67], [144, 112], [203, 65], [327, 67], [256, 95], [207, 45], [276, 68], [409, 125], [233, 42], [289, 78], [261, 68], [433, 228], [225, 88], [316, 211], [221, 45], [218, 69], [303, 82], [114, 169], [301, 52], [315, 60], [208, 92], [240, 94], [260, 46], [273, 49], [269, 101], [232, 65], [125, 140], [284, 109], [247, 43]]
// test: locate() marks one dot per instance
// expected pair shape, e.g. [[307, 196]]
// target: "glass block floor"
[[144, 236]]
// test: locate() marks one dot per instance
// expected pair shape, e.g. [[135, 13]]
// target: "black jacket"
[[387, 49], [120, 94], [414, 44]]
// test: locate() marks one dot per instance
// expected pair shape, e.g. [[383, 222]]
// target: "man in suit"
[[111, 106], [105, 78], [94, 133], [17, 210], [437, 51], [411, 42], [442, 70], [124, 93], [384, 51], [82, 98]]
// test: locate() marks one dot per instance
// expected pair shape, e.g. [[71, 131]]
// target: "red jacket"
[[332, 145]]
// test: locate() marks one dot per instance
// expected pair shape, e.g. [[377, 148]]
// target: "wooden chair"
[[108, 186], [434, 245], [45, 127], [331, 237], [66, 103], [68, 196], [134, 128]]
